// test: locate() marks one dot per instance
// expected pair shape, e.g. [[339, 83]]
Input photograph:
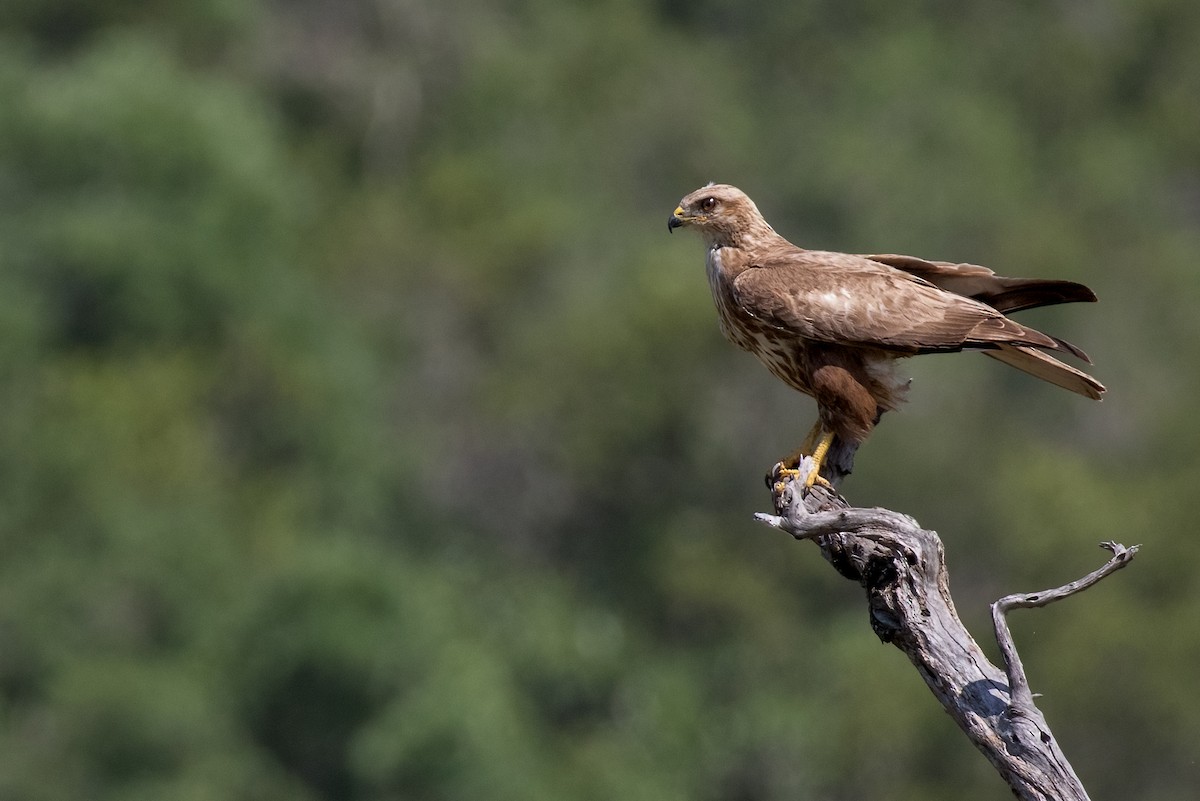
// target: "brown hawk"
[[831, 325]]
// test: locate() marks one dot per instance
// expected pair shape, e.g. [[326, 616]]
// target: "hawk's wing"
[[851, 300], [1003, 294]]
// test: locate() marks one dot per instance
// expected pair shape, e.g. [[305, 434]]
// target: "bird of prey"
[[831, 325]]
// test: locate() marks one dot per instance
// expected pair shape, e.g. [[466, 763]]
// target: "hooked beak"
[[676, 219]]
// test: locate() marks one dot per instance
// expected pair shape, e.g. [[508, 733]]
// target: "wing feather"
[[851, 300], [1003, 294]]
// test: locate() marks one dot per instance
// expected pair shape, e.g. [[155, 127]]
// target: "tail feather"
[[1046, 367]]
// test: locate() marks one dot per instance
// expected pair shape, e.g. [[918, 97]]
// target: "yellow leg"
[[818, 456], [816, 445], [806, 447]]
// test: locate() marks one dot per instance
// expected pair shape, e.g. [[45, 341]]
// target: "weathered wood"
[[902, 568]]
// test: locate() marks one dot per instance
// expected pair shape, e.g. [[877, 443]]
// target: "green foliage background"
[[366, 437]]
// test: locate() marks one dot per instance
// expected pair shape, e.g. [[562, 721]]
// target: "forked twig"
[[1020, 694]]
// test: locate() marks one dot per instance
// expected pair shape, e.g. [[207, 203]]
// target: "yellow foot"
[[815, 477], [783, 474]]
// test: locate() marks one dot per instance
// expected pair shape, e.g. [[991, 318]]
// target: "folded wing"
[[861, 301]]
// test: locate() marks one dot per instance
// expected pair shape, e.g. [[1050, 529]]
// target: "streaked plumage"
[[831, 324]]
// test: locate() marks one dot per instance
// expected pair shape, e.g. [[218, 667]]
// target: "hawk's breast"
[[785, 356]]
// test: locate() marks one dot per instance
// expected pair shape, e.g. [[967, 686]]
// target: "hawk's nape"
[[831, 325]]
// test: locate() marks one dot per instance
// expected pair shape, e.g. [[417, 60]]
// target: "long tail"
[[1048, 368]]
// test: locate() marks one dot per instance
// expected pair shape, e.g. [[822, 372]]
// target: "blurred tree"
[[366, 437]]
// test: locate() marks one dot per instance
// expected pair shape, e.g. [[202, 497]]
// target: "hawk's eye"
[[708, 204]]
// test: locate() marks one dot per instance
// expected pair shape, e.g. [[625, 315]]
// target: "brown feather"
[[831, 324], [1048, 368], [845, 299], [1002, 294], [1005, 295]]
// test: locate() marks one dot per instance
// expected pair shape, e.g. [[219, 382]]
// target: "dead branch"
[[901, 566]]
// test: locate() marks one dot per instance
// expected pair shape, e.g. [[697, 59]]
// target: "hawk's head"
[[722, 213]]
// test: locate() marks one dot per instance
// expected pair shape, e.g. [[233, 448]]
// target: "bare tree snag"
[[901, 566]]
